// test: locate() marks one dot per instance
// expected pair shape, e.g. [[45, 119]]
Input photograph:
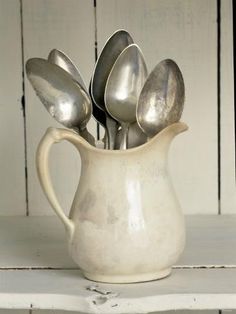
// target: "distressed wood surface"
[[33, 242], [12, 163], [68, 26], [210, 242], [40, 242], [68, 290], [186, 32], [165, 312], [5, 311], [228, 172], [51, 312]]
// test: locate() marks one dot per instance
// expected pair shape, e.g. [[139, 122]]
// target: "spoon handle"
[[124, 135], [111, 128], [87, 136], [105, 140]]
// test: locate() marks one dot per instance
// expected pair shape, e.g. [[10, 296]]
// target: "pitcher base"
[[128, 278]]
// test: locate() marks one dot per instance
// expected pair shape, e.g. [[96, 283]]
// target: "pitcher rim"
[[177, 127]]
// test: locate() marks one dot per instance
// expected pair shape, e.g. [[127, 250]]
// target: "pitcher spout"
[[163, 139]]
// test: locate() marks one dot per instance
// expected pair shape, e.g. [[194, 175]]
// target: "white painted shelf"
[[37, 273]]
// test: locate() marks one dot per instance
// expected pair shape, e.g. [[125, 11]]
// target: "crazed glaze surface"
[[125, 223]]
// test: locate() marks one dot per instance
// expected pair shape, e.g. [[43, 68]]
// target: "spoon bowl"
[[109, 54], [63, 61], [161, 99], [62, 96]]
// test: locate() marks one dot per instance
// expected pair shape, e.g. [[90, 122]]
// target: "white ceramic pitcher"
[[125, 224]]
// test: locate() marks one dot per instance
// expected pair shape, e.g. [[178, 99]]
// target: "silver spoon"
[[161, 99], [63, 61], [100, 116], [62, 96], [112, 49], [123, 87]]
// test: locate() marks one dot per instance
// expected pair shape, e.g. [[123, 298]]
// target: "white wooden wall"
[[228, 172], [12, 161], [185, 30]]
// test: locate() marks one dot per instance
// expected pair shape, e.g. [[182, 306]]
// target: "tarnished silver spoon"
[[161, 100], [62, 96], [109, 54], [123, 87]]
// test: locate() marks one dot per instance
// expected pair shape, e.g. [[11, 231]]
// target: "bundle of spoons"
[[129, 104]]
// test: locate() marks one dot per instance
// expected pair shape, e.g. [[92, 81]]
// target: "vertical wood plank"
[[228, 187], [12, 163], [186, 32], [68, 26]]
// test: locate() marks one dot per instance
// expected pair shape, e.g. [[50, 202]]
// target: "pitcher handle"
[[52, 136]]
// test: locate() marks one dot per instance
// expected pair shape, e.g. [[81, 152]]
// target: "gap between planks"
[[75, 268], [219, 101], [24, 109]]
